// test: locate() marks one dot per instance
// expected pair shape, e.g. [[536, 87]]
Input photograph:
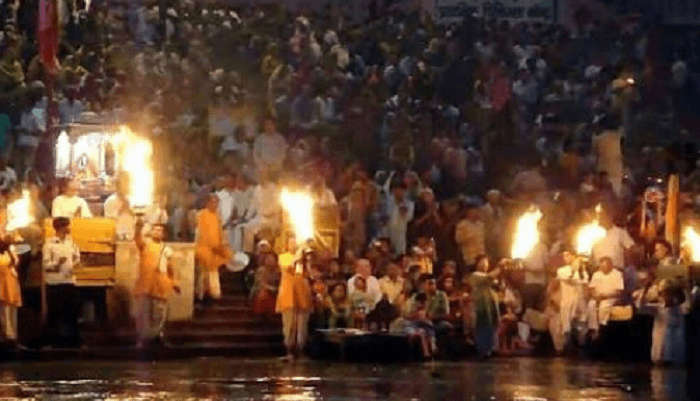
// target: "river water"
[[515, 379]]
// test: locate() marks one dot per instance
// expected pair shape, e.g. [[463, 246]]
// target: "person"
[[60, 257], [616, 241], [361, 303], [485, 306], [210, 250], [363, 268], [294, 299], [69, 204], [155, 284], [269, 148], [470, 236], [400, 213], [535, 266], [392, 285], [264, 292], [572, 279], [8, 176], [607, 146], [353, 213], [339, 306], [437, 303], [10, 292], [662, 253], [668, 333], [606, 288], [117, 207]]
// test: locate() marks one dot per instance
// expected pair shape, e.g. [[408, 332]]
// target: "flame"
[[589, 235], [691, 240], [19, 213], [134, 155], [526, 234], [299, 207]]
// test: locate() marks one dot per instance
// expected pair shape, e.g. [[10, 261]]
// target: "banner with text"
[[449, 11]]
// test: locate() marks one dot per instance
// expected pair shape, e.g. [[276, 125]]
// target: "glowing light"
[[589, 235], [526, 234], [299, 208], [134, 154], [691, 241], [63, 153], [19, 213]]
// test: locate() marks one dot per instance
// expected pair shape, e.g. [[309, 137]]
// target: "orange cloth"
[[153, 282], [294, 291], [10, 293], [211, 250]]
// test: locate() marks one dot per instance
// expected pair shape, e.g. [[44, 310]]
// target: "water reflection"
[[224, 379]]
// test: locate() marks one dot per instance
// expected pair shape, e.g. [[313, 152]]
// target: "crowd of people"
[[427, 141]]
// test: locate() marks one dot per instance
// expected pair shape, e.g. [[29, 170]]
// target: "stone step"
[[231, 323], [224, 336], [223, 311]]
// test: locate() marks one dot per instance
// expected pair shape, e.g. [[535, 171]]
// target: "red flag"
[[48, 34]]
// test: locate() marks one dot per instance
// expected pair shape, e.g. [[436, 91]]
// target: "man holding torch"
[[155, 283], [10, 293]]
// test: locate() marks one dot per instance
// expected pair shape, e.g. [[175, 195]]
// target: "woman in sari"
[[485, 304]]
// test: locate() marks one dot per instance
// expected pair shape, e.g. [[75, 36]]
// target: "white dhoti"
[[207, 284], [599, 313], [8, 322]]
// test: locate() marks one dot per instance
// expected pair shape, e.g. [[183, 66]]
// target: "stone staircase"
[[227, 328]]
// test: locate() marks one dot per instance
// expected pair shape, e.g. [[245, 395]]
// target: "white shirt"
[[613, 245], [125, 221], [373, 288], [68, 206], [227, 200], [269, 150], [55, 249], [537, 260], [607, 284]]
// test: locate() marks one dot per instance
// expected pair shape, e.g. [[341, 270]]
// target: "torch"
[[587, 237], [135, 160], [691, 245]]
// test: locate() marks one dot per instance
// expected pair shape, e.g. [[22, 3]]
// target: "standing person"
[[470, 236], [60, 257], [294, 299], [606, 288], [155, 284], [10, 292], [400, 213], [269, 149], [353, 214], [573, 279], [607, 146], [117, 207], [211, 250], [485, 305], [69, 204], [616, 241], [668, 334], [535, 266]]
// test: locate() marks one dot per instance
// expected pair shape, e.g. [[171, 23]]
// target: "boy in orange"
[[155, 284], [294, 299], [211, 250]]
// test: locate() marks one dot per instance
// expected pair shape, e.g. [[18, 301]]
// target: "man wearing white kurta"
[[616, 241], [69, 204], [606, 288], [400, 213], [117, 207], [265, 207], [573, 279]]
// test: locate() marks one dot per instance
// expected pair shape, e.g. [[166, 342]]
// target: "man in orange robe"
[[294, 299], [211, 250], [155, 284], [10, 294]]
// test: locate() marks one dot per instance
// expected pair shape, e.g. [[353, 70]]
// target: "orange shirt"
[[294, 291], [10, 292], [210, 248], [153, 281]]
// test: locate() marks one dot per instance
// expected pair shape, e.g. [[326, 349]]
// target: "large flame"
[[691, 240], [299, 208], [134, 154], [589, 235], [526, 234], [19, 213]]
